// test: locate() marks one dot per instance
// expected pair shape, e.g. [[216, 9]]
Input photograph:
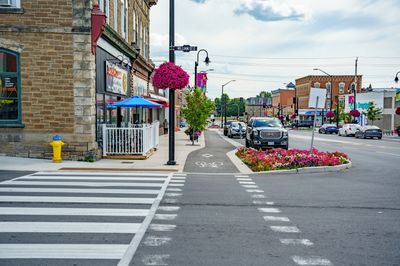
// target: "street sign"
[[185, 48], [314, 94]]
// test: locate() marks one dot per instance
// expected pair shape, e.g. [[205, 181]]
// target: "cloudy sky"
[[263, 44]]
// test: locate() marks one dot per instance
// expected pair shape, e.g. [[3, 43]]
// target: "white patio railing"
[[137, 140]]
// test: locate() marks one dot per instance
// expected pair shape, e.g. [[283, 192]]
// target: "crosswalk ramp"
[[79, 216]]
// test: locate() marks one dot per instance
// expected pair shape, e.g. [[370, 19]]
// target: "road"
[[213, 215]]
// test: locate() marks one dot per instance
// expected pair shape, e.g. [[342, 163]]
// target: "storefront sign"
[[140, 86], [116, 79]]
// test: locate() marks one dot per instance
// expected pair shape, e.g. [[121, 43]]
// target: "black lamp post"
[[207, 61], [331, 88], [396, 79], [171, 132], [223, 104]]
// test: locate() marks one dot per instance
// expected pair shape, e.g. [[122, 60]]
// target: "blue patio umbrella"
[[135, 101]]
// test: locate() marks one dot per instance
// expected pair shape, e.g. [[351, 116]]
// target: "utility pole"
[[171, 133], [355, 85]]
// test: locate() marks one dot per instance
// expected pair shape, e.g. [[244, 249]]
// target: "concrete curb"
[[119, 169], [241, 166]]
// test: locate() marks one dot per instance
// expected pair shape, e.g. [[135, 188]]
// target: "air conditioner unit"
[[6, 3]]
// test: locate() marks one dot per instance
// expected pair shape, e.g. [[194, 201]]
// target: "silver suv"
[[266, 132]]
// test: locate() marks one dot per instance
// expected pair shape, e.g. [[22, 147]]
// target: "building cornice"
[[116, 39]]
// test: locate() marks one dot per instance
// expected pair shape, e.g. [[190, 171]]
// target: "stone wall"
[[57, 78]]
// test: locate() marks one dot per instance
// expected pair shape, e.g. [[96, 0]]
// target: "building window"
[[387, 102], [107, 10], [124, 19], [10, 87], [10, 3], [341, 88], [317, 85], [115, 15]]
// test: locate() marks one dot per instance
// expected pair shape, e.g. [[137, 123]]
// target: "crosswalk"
[[77, 216]]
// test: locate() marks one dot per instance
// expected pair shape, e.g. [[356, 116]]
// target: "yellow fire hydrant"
[[57, 145]]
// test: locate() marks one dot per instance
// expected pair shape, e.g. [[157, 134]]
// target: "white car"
[[348, 129]]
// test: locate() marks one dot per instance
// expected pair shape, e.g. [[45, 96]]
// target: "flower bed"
[[280, 159]]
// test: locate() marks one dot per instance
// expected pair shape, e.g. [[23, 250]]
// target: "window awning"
[[158, 99]]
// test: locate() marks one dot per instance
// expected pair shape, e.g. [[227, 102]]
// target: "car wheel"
[[379, 137], [364, 136]]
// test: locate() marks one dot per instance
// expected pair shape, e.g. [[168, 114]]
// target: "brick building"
[[282, 102], [55, 60], [256, 106], [341, 84]]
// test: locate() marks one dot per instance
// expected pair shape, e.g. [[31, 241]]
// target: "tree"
[[372, 112], [264, 94], [197, 111]]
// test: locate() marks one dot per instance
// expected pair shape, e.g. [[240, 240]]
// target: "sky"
[[265, 44]]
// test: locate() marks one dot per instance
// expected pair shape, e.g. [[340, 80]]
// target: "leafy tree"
[[372, 112], [264, 94], [197, 110]]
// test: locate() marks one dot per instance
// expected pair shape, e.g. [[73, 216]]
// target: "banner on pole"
[[202, 81]]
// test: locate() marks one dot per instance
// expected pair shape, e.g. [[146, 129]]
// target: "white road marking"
[[388, 153], [155, 259], [61, 251], [76, 199], [250, 186], [285, 229], [178, 178], [168, 208], [271, 210], [154, 241], [244, 179], [86, 173], [79, 190], [290, 241], [241, 176], [162, 227], [173, 194], [247, 182], [258, 196], [73, 211], [35, 177], [70, 227], [83, 184], [178, 175], [165, 217], [255, 190], [262, 202], [174, 189], [176, 185], [207, 155], [168, 200], [311, 260], [177, 181], [276, 219]]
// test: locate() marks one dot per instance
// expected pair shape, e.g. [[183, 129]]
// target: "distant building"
[[256, 106], [383, 99], [282, 102], [341, 84]]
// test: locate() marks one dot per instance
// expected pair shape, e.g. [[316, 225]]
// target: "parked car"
[[237, 129], [304, 123], [182, 124], [348, 129], [369, 132], [266, 132], [328, 128], [227, 124]]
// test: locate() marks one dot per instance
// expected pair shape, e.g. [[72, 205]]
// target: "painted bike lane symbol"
[[209, 165]]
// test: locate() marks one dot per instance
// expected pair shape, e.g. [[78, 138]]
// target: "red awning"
[[164, 103]]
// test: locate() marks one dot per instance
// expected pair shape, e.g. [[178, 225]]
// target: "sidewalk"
[[156, 162]]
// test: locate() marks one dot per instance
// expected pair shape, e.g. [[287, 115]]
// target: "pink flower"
[[169, 75]]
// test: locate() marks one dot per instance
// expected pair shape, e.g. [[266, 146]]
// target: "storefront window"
[[10, 106]]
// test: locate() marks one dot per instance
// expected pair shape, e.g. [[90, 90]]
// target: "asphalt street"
[[350, 217]]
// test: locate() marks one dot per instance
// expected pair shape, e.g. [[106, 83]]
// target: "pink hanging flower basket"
[[330, 114], [169, 75], [355, 113], [398, 110]]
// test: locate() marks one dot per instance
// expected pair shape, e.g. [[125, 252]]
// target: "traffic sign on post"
[[185, 48]]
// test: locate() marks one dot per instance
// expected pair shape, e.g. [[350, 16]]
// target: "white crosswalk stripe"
[[81, 206]]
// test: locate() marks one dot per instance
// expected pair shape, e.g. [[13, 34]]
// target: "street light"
[[331, 88], [207, 61], [223, 106], [396, 79]]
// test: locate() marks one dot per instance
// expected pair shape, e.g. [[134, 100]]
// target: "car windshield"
[[236, 124], [267, 123], [229, 122]]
